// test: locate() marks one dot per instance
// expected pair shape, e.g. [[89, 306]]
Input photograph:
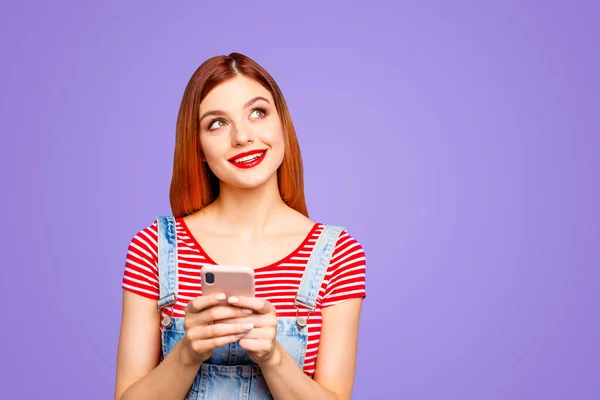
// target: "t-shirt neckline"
[[276, 263]]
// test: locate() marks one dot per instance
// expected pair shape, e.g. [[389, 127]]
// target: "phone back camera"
[[210, 278]]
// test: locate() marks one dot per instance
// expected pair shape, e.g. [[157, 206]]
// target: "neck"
[[249, 212]]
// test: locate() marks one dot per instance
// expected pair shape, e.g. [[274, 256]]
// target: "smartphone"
[[231, 280]]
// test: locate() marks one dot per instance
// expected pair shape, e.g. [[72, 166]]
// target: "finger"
[[253, 345], [260, 334], [215, 313], [259, 320], [223, 340], [259, 305], [200, 346], [218, 330], [202, 302], [254, 318]]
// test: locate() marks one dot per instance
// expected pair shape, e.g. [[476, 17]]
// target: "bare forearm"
[[171, 380], [288, 382]]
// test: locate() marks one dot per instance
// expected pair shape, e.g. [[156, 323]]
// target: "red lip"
[[248, 153], [248, 164]]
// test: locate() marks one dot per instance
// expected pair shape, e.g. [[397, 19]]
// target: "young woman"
[[237, 198]]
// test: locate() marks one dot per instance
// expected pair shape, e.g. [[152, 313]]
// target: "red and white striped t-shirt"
[[277, 283]]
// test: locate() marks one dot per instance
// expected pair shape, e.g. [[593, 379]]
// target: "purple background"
[[458, 141]]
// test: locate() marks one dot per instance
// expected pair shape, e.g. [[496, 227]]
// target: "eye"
[[259, 112], [218, 123]]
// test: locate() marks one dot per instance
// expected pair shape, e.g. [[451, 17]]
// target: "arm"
[[340, 313], [336, 360], [139, 375], [334, 376]]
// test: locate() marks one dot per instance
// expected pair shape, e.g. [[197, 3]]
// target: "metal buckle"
[[301, 322], [167, 321], [167, 301], [298, 302]]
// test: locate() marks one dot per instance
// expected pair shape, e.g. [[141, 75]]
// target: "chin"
[[254, 183], [246, 180]]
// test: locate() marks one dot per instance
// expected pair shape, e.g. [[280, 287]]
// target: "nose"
[[241, 136]]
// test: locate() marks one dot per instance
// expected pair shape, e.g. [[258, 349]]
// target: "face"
[[240, 133]]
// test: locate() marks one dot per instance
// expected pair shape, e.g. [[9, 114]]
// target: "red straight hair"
[[193, 185]]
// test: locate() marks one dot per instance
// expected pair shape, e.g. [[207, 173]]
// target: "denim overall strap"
[[167, 262], [317, 268]]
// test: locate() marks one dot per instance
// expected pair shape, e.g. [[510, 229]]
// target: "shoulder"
[[346, 274], [345, 241], [141, 266], [147, 234], [348, 249], [144, 242], [146, 237]]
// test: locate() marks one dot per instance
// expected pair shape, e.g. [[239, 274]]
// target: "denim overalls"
[[230, 373]]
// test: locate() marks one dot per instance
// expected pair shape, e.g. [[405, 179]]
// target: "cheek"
[[277, 144], [211, 155], [273, 136], [210, 149]]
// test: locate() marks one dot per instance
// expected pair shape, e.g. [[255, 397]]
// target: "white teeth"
[[248, 158]]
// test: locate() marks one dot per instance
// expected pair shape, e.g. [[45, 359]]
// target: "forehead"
[[233, 94]]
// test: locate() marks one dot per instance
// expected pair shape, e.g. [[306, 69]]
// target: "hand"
[[202, 334], [261, 341]]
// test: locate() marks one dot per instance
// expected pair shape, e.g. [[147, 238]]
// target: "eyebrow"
[[248, 104]]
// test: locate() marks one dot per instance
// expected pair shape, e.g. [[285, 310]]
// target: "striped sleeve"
[[141, 264], [347, 272]]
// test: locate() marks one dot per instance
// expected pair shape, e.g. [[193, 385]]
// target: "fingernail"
[[248, 325], [221, 296], [233, 300], [246, 311], [239, 335]]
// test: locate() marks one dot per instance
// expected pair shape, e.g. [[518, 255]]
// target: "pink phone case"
[[231, 280]]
